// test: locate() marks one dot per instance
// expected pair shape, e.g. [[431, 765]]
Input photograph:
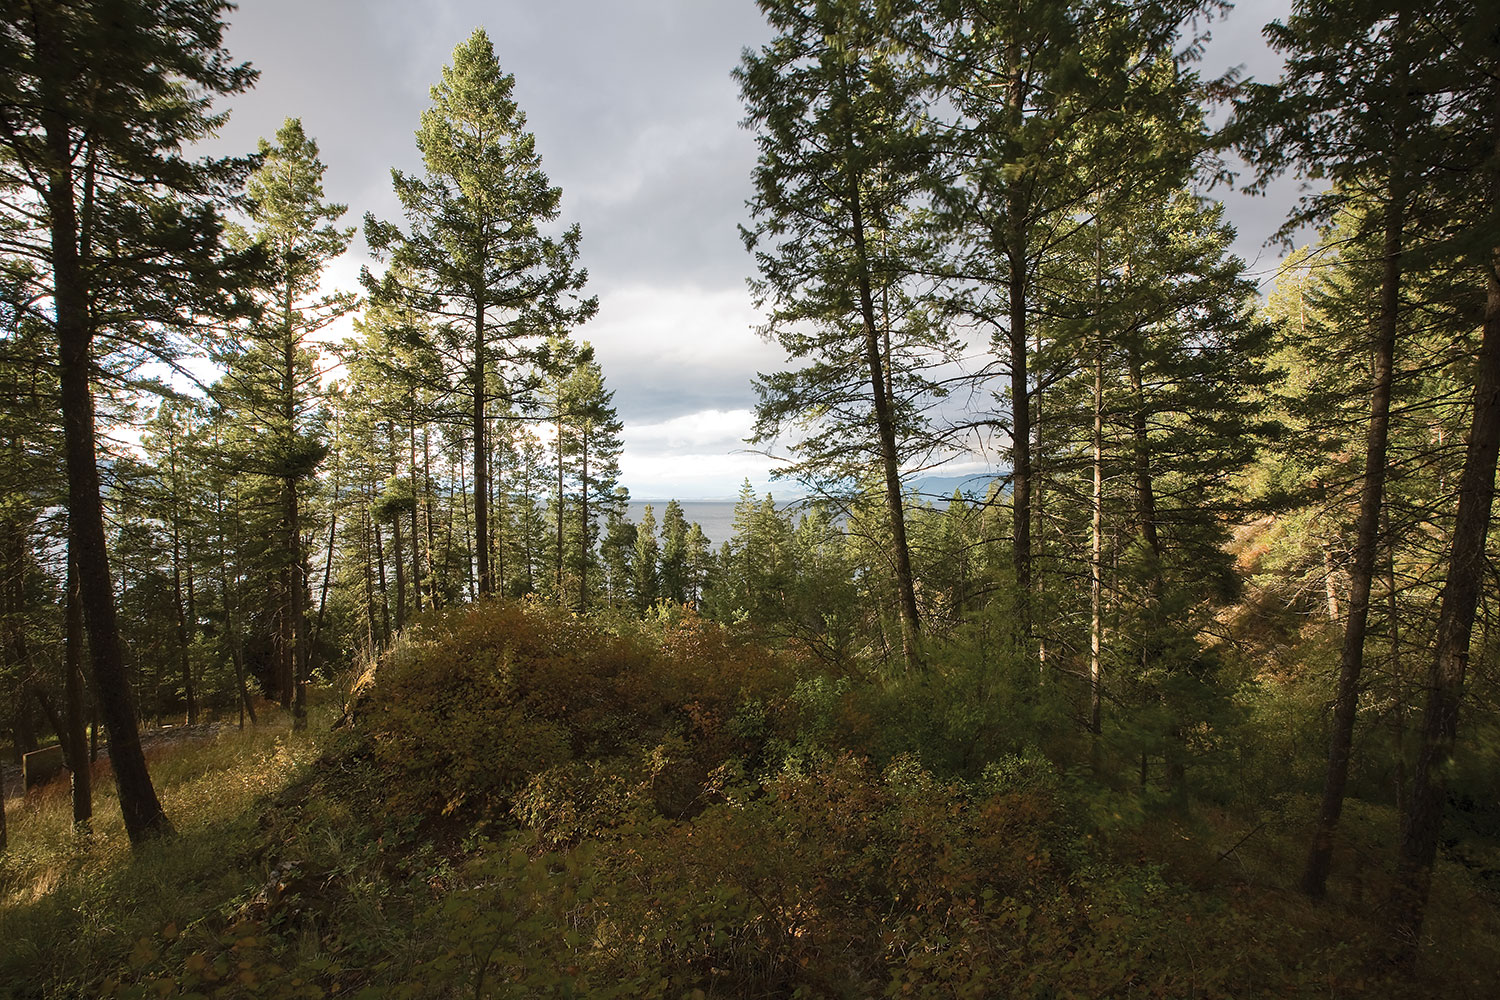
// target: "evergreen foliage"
[[1227, 599]]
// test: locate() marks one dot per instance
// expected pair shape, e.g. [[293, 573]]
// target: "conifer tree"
[[587, 445], [273, 379], [1051, 99], [700, 562], [1349, 107], [647, 582], [837, 103], [1468, 43], [616, 554], [674, 553], [475, 257], [122, 236]]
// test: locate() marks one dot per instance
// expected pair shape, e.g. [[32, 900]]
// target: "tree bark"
[[1362, 573], [481, 462], [1020, 428], [559, 499], [385, 601], [142, 811], [333, 520], [885, 427], [416, 524], [368, 544], [398, 560], [428, 534], [77, 735], [468, 537], [1445, 679], [583, 516], [184, 658]]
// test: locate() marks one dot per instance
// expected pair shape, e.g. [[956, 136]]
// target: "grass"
[[73, 905]]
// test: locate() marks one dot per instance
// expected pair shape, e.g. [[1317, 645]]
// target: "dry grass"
[[71, 902]]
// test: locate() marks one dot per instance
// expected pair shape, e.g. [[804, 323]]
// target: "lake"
[[716, 516]]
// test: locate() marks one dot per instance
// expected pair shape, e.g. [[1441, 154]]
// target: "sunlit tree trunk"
[[77, 735]]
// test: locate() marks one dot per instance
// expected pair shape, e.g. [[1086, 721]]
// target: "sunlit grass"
[[72, 902]]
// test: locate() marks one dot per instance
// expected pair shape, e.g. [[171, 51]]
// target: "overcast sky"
[[637, 120]]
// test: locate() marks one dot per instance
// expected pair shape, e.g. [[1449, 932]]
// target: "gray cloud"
[[637, 119]]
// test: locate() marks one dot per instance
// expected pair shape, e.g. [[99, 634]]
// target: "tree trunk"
[[1372, 496], [184, 658], [1038, 538], [1020, 428], [1445, 679], [385, 601], [398, 560], [142, 811], [481, 462], [416, 553], [468, 535], [583, 519], [317, 632], [232, 635], [290, 624], [427, 496], [911, 624], [368, 543], [416, 505], [294, 594], [1015, 243], [299, 615], [455, 497], [559, 500], [77, 736], [1096, 557]]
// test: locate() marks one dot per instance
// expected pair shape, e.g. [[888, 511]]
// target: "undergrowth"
[[532, 804]]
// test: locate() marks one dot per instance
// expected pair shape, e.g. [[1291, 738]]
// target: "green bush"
[[499, 709]]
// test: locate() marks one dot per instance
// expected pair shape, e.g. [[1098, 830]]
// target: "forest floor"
[[684, 817], [153, 738]]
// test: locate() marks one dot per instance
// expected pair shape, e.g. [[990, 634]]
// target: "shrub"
[[504, 704]]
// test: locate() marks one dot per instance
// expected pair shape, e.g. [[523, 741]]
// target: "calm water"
[[716, 517]]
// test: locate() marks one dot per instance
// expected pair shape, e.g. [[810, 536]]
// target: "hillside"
[[521, 802]]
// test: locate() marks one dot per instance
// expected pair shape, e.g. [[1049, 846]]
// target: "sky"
[[637, 119]]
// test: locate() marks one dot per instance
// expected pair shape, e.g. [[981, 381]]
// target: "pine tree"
[[476, 259], [1468, 42], [589, 432], [273, 379], [700, 563], [617, 555], [1051, 101], [674, 553], [1349, 107], [647, 582], [837, 104], [121, 232]]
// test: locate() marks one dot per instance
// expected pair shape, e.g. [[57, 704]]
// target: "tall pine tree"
[[122, 235], [476, 257]]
